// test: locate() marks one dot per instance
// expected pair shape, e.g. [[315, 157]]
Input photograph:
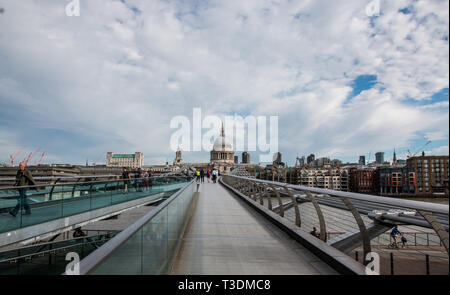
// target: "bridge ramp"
[[225, 236]]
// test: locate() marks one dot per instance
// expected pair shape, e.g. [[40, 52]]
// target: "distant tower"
[[277, 158], [394, 161], [245, 158], [310, 159], [379, 157], [178, 157], [297, 162], [362, 160]]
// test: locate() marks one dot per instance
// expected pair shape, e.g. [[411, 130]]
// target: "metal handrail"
[[57, 249], [92, 261], [54, 242], [417, 205], [85, 182], [61, 177]]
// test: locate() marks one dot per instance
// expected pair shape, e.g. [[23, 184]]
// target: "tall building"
[[379, 157], [394, 180], [394, 159], [362, 160], [178, 157], [362, 180], [222, 154], [320, 162], [329, 178], [431, 174], [300, 162], [135, 160], [310, 159], [277, 157], [245, 158]]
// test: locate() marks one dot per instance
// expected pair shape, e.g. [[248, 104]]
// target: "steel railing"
[[393, 211], [154, 237]]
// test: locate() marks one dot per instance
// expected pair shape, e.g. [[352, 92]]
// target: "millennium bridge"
[[240, 225]]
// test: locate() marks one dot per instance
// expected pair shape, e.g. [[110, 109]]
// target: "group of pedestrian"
[[142, 181], [210, 174]]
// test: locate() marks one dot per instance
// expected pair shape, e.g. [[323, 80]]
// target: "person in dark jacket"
[[125, 177], [137, 176], [23, 178], [202, 175], [79, 233], [315, 233]]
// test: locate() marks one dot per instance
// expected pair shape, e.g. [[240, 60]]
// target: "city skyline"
[[342, 83]]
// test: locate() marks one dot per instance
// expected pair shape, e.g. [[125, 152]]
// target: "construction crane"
[[31, 155], [409, 153], [26, 159], [39, 162], [12, 157], [95, 162]]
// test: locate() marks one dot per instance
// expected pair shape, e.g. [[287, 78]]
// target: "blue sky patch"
[[406, 10], [362, 83]]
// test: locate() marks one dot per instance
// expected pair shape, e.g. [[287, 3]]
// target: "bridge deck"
[[226, 236]]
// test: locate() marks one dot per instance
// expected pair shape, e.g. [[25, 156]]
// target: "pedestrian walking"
[[23, 178], [145, 181], [126, 179], [149, 178], [214, 176], [137, 176], [202, 175], [208, 175], [197, 174]]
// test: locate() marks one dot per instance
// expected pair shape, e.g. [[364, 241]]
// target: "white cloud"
[[120, 76]]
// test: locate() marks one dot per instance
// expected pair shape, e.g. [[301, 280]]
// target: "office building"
[[362, 160], [245, 158], [135, 160], [431, 174], [379, 157]]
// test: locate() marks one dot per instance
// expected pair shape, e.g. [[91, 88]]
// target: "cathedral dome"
[[221, 145]]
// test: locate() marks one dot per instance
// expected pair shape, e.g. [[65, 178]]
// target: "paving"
[[227, 237]]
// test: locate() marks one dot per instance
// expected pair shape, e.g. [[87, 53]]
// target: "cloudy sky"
[[341, 82]]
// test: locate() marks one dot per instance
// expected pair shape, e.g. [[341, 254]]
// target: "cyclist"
[[394, 233]]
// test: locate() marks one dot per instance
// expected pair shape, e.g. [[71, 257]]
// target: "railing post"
[[269, 200], [262, 194], [362, 228], [280, 202], [322, 224], [298, 221], [392, 263], [438, 228]]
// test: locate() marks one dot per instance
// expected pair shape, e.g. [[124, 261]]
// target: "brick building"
[[431, 174]]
